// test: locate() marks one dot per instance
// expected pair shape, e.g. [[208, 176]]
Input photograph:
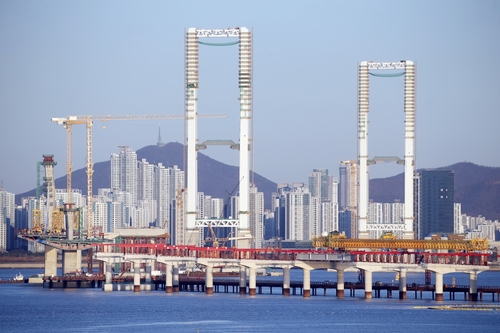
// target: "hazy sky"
[[62, 58]]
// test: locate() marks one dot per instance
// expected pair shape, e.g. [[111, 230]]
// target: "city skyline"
[[81, 58], [137, 187]]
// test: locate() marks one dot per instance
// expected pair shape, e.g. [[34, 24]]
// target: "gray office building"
[[434, 202]]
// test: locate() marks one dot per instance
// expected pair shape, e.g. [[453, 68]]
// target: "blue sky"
[[61, 58]]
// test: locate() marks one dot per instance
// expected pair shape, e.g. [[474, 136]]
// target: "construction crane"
[[88, 120], [213, 238]]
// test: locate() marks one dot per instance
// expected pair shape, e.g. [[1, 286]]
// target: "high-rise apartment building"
[[348, 195], [124, 173], [319, 184], [298, 213], [434, 206], [279, 209], [146, 180], [324, 202], [348, 184], [458, 224], [7, 220], [256, 216]]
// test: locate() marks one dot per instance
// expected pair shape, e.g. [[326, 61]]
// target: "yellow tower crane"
[[88, 120]]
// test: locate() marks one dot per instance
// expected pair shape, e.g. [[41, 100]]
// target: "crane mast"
[[88, 120]]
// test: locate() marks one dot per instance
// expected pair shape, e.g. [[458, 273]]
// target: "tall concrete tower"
[[49, 188], [194, 221], [408, 160]]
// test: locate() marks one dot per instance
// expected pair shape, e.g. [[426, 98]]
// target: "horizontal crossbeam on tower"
[[217, 223], [385, 226], [229, 143], [218, 32], [386, 65], [386, 159]]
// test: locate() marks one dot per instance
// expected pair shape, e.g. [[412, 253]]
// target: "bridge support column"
[[71, 261], [340, 283], [243, 280], [286, 281], [147, 272], [175, 278], [50, 261], [168, 278], [473, 286], [439, 286], [307, 283], [209, 280], [137, 276], [108, 274], [108, 277], [252, 281], [402, 284], [368, 285]]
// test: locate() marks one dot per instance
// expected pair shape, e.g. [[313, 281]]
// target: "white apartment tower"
[[124, 173], [7, 220], [257, 216], [146, 180], [348, 192], [298, 213]]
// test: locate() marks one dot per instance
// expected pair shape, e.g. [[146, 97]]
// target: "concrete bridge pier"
[[252, 281], [137, 276], [243, 280], [147, 271], [402, 284], [306, 269], [473, 286], [108, 273], [168, 278], [209, 280], [286, 281], [307, 282], [340, 283], [50, 261], [175, 278], [368, 284], [109, 259], [340, 267], [439, 286], [71, 261]]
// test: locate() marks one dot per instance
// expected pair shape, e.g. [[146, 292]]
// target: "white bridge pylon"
[[409, 153], [191, 112]]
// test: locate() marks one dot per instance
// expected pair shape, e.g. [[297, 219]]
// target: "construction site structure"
[[193, 38], [88, 120], [50, 190], [332, 241], [36, 219], [365, 69]]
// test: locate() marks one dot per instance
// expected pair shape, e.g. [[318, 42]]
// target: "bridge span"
[[170, 259]]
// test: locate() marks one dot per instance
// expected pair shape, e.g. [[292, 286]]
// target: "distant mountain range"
[[477, 187]]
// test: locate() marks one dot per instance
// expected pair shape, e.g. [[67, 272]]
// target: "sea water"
[[31, 308]]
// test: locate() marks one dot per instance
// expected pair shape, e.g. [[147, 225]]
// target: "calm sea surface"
[[30, 308]]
